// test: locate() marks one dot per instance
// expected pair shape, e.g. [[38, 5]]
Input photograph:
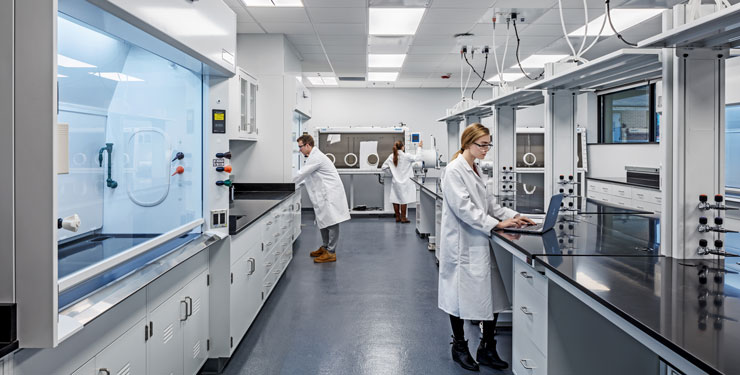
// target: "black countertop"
[[615, 259], [7, 348], [8, 337], [695, 316], [253, 201]]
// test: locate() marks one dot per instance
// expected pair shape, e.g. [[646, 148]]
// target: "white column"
[[698, 143], [560, 139], [504, 141]]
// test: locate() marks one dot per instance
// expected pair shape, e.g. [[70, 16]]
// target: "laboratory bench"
[[595, 295], [253, 200]]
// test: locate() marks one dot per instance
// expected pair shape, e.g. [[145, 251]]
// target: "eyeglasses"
[[300, 146], [486, 146]]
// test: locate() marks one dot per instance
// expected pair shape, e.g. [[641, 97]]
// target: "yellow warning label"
[[219, 116]]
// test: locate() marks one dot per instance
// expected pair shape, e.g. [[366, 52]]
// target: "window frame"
[[652, 136]]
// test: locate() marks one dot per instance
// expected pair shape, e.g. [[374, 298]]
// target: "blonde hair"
[[469, 135]]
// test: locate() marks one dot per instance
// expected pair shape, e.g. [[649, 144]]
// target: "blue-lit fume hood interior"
[[129, 112]]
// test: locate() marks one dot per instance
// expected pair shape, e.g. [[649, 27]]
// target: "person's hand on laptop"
[[524, 221], [509, 223]]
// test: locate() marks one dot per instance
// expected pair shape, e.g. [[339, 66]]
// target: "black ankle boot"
[[488, 356], [461, 355]]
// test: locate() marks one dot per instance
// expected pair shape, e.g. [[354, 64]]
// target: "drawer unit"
[[530, 317], [625, 196], [621, 191], [527, 360], [647, 196], [526, 277]]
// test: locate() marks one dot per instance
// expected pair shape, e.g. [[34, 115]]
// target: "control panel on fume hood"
[[219, 121]]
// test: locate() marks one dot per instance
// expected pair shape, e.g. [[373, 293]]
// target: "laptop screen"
[[552, 212]]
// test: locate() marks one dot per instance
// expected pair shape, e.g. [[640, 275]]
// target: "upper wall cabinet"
[[242, 124], [302, 99], [204, 29]]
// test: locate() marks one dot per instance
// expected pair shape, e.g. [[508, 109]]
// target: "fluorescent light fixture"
[[61, 76], [185, 22], [539, 61], [395, 21], [623, 19], [120, 77], [323, 81], [382, 76], [69, 62], [385, 60], [508, 77], [273, 3]]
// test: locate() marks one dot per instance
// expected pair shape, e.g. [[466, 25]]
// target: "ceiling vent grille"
[[352, 79]]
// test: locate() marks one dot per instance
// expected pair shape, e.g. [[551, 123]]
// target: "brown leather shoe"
[[404, 220], [319, 252], [326, 258]]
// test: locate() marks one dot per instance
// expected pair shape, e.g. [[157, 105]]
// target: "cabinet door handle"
[[277, 272], [526, 310], [269, 223], [269, 243], [525, 362], [525, 275], [251, 266], [104, 371], [186, 310], [188, 307]]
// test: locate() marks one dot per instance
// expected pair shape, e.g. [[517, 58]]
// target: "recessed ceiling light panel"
[[69, 62], [395, 21], [382, 76], [120, 77], [385, 60]]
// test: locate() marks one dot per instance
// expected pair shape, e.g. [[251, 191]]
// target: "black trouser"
[[489, 328]]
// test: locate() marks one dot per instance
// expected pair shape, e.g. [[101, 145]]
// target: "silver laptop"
[[550, 218]]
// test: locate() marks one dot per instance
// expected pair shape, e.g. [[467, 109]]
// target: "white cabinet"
[[246, 292], [195, 326], [302, 99], [178, 330], [529, 320], [164, 347], [625, 196], [242, 120], [126, 355]]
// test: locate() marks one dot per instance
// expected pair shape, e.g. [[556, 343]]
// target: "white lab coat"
[[470, 284], [325, 189], [403, 190]]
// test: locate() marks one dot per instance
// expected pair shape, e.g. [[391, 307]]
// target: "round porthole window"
[[350, 159], [529, 159], [331, 157], [372, 159]]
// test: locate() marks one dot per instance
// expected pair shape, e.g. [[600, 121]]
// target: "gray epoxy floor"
[[374, 311]]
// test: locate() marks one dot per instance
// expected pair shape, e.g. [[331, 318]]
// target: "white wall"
[[732, 87], [419, 109]]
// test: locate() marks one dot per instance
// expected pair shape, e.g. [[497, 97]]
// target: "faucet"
[[109, 148]]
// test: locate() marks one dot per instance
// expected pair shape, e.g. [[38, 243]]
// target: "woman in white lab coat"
[[470, 284], [326, 191], [403, 190]]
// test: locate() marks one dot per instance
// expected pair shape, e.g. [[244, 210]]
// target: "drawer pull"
[[277, 272], [525, 364], [526, 310], [276, 235], [269, 243], [525, 275], [104, 371], [268, 265], [269, 223], [252, 267], [640, 195], [268, 285]]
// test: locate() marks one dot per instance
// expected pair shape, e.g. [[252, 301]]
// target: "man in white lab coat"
[[326, 191]]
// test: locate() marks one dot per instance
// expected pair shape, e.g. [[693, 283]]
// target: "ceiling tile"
[[338, 15], [248, 28], [461, 4], [279, 15], [298, 39], [341, 39], [427, 28], [288, 28], [309, 49], [466, 16], [346, 49], [431, 49], [341, 29], [334, 3]]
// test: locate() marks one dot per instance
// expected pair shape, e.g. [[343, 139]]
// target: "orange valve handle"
[[226, 169], [179, 170]]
